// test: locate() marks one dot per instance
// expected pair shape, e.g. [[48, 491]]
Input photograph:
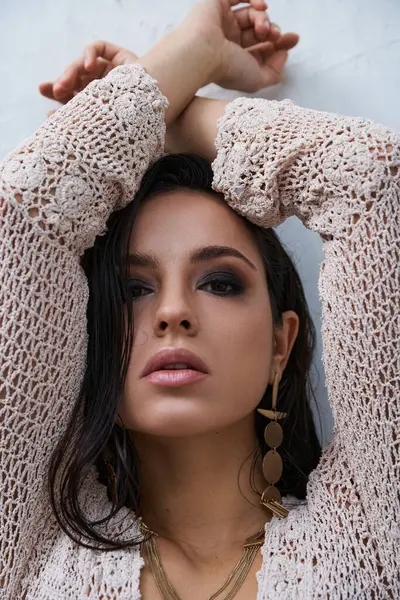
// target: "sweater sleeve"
[[341, 177], [56, 192]]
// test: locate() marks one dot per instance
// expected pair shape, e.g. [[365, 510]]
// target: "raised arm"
[[341, 177], [57, 191]]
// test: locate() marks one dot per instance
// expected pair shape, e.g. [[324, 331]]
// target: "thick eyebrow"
[[210, 252], [201, 255], [142, 260]]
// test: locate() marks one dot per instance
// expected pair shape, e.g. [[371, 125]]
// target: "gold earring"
[[272, 465]]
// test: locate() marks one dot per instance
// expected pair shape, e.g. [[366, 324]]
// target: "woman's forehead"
[[188, 218]]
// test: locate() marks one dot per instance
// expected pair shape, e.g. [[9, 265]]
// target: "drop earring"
[[272, 465]]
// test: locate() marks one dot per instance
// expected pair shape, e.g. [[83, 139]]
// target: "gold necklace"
[[234, 581]]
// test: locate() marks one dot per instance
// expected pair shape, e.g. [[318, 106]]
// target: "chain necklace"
[[232, 584]]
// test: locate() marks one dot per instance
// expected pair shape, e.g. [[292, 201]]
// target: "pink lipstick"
[[175, 367]]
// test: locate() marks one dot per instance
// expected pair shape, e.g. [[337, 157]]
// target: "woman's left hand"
[[252, 50]]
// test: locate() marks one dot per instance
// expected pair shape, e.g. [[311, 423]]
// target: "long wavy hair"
[[93, 436]]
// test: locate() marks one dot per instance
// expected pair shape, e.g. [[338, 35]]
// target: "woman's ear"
[[284, 339]]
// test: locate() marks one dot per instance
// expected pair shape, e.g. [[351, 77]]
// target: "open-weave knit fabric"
[[341, 177]]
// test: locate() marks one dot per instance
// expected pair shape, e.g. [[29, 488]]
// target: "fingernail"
[[267, 23]]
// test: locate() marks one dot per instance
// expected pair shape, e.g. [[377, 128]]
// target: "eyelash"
[[227, 279]]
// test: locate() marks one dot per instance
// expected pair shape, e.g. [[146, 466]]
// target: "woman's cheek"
[[142, 325], [247, 338]]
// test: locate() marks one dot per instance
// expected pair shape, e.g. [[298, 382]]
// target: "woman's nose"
[[175, 315]]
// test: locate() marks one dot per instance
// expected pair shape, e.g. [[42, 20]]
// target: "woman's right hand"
[[97, 60]]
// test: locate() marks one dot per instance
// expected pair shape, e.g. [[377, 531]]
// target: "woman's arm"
[[341, 177], [57, 191], [195, 130]]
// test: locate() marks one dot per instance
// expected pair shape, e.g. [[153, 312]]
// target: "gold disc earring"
[[272, 465]]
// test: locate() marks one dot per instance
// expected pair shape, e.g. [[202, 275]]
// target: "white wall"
[[347, 61]]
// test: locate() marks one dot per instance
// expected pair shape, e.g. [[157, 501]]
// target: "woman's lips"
[[175, 377], [174, 367]]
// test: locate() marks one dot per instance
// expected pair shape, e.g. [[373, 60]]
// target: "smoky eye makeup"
[[222, 282], [138, 288], [222, 279]]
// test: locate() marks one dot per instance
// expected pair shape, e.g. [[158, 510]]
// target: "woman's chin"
[[177, 418]]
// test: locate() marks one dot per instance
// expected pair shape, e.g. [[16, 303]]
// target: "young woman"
[[148, 312]]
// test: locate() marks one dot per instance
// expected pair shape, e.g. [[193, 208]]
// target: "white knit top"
[[341, 177]]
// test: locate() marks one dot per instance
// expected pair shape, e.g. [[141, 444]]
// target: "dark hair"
[[92, 435]]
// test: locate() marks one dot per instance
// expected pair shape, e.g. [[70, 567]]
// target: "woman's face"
[[200, 285]]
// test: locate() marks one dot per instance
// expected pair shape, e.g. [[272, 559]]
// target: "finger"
[[252, 36], [90, 57], [274, 32], [46, 89], [262, 24], [272, 66], [102, 49], [257, 4], [264, 48], [62, 95], [287, 41], [249, 38], [101, 69], [74, 79], [68, 81], [62, 88], [276, 62], [74, 73], [247, 16]]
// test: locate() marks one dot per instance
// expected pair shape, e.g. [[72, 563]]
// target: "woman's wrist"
[[195, 129], [182, 62]]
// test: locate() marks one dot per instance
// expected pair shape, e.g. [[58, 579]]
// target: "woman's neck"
[[196, 491]]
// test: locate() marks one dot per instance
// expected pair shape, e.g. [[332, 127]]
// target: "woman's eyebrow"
[[210, 252], [138, 259], [203, 254]]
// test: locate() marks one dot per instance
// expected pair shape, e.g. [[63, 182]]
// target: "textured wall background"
[[348, 61]]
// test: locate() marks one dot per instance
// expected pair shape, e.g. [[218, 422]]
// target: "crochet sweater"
[[341, 177]]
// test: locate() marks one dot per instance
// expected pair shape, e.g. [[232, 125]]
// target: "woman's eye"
[[138, 290], [222, 285]]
